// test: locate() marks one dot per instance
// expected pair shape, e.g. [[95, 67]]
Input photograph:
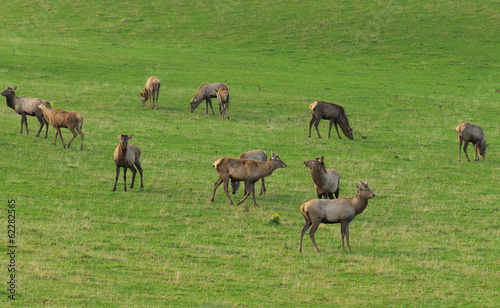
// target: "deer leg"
[[42, 122], [263, 187], [209, 102], [216, 184], [138, 165], [134, 172], [157, 93], [476, 157], [337, 193], [466, 144], [337, 129], [226, 190], [117, 174], [330, 196], [312, 232], [460, 150], [304, 229], [310, 125], [25, 121], [72, 130], [247, 193], [252, 189], [125, 178], [330, 128], [46, 128], [79, 130], [347, 235], [316, 124], [60, 135]]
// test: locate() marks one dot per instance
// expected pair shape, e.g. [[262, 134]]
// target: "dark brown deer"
[[126, 156], [326, 181], [333, 112], [205, 93], [61, 118], [27, 106], [151, 92], [223, 98], [257, 155], [341, 211], [471, 133], [247, 170]]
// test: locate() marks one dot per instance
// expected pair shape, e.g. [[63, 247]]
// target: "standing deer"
[[471, 133], [247, 170], [205, 93], [61, 118], [343, 211], [223, 98], [333, 112], [27, 106], [151, 91], [127, 155], [257, 155], [326, 181]]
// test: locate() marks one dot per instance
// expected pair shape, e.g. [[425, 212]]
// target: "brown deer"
[[326, 181], [126, 156], [151, 91], [257, 155], [27, 106], [205, 93], [471, 133], [341, 211], [247, 170], [61, 118], [223, 98], [333, 112]]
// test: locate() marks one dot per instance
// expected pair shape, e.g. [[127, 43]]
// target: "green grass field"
[[406, 72]]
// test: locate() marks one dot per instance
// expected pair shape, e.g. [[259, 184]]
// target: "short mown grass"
[[407, 74]]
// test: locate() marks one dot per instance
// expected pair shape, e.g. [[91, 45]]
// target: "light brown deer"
[[333, 112], [126, 156], [223, 98], [151, 92], [205, 93], [471, 133], [247, 170], [341, 211], [257, 155], [61, 118], [27, 106], [326, 181]]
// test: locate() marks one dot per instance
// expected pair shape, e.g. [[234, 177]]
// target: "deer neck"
[[319, 176], [266, 168], [12, 101], [359, 204]]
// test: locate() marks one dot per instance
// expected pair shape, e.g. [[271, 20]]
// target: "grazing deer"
[[257, 155], [61, 118], [341, 211], [247, 170], [333, 112], [27, 106], [471, 133], [151, 91], [326, 181], [205, 93], [126, 156]]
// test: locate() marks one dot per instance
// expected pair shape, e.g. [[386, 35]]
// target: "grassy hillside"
[[407, 74]]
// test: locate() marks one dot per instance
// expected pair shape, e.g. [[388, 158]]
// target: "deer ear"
[[357, 186], [15, 88], [272, 154], [6, 87], [130, 137], [322, 158], [119, 136], [487, 146]]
